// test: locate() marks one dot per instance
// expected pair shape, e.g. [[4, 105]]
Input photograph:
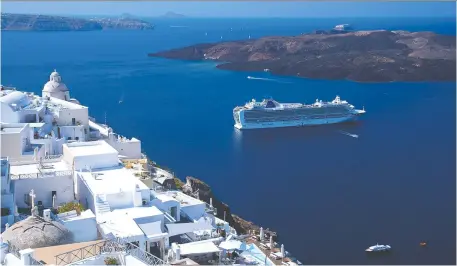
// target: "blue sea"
[[328, 195]]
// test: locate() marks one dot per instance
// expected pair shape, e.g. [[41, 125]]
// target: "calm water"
[[328, 195]]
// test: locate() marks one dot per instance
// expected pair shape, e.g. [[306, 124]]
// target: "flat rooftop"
[[184, 199], [87, 214], [120, 225], [139, 212], [112, 180], [90, 148], [35, 168], [12, 128]]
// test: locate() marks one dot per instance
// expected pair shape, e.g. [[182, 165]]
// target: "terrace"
[[45, 168]]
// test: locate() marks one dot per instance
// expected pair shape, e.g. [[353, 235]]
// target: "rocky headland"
[[363, 56], [31, 22]]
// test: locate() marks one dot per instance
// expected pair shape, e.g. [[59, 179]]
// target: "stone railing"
[[108, 246], [42, 175], [45, 159]]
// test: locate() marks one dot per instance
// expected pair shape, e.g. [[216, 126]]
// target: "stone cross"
[[32, 196]]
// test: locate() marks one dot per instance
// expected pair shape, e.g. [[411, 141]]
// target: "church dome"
[[35, 232], [55, 83]]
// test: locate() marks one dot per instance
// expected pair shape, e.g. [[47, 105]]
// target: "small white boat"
[[378, 248]]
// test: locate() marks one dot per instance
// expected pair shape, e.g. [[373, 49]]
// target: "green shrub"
[[178, 183], [71, 206], [111, 261]]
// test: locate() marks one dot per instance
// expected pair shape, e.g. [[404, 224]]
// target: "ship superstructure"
[[270, 113]]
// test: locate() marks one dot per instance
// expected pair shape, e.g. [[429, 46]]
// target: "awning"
[[182, 228], [231, 245], [198, 248], [152, 230]]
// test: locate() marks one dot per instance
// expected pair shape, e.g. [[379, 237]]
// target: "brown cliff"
[[364, 56], [194, 185]]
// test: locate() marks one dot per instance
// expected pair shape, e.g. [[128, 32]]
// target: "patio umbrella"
[[283, 252], [261, 233], [271, 242]]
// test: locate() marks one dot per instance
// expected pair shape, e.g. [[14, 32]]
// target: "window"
[[73, 121], [85, 131], [76, 138], [69, 138]]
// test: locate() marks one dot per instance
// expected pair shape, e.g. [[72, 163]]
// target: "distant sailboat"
[[221, 37], [206, 33], [122, 99], [249, 37]]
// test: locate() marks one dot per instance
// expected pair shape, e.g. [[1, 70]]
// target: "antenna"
[[105, 119]]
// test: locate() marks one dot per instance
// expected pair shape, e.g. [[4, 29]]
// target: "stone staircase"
[[101, 205]]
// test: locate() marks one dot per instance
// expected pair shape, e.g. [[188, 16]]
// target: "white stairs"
[[101, 205]]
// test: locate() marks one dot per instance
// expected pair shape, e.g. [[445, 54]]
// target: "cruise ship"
[[270, 113]]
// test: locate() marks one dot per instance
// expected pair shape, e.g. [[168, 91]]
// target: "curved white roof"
[[55, 83], [16, 97]]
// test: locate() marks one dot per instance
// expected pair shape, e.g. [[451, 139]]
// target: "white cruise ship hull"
[[295, 123]]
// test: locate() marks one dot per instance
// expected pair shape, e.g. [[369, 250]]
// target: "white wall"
[[11, 145], [84, 195], [194, 211], [7, 114], [47, 144], [94, 161], [43, 188], [98, 260], [25, 114], [72, 132], [130, 260], [8, 201], [83, 229], [131, 149], [120, 200], [57, 146], [11, 260], [65, 116]]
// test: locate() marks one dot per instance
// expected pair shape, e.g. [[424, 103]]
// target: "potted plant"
[[111, 261]]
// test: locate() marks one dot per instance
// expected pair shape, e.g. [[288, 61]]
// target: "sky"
[[237, 9]]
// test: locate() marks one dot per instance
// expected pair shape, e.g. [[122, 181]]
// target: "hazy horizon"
[[237, 9]]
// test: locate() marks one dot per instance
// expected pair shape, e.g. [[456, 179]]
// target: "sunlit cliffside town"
[[76, 193]]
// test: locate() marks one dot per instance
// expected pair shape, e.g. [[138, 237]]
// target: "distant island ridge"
[[171, 14], [36, 22], [339, 53]]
